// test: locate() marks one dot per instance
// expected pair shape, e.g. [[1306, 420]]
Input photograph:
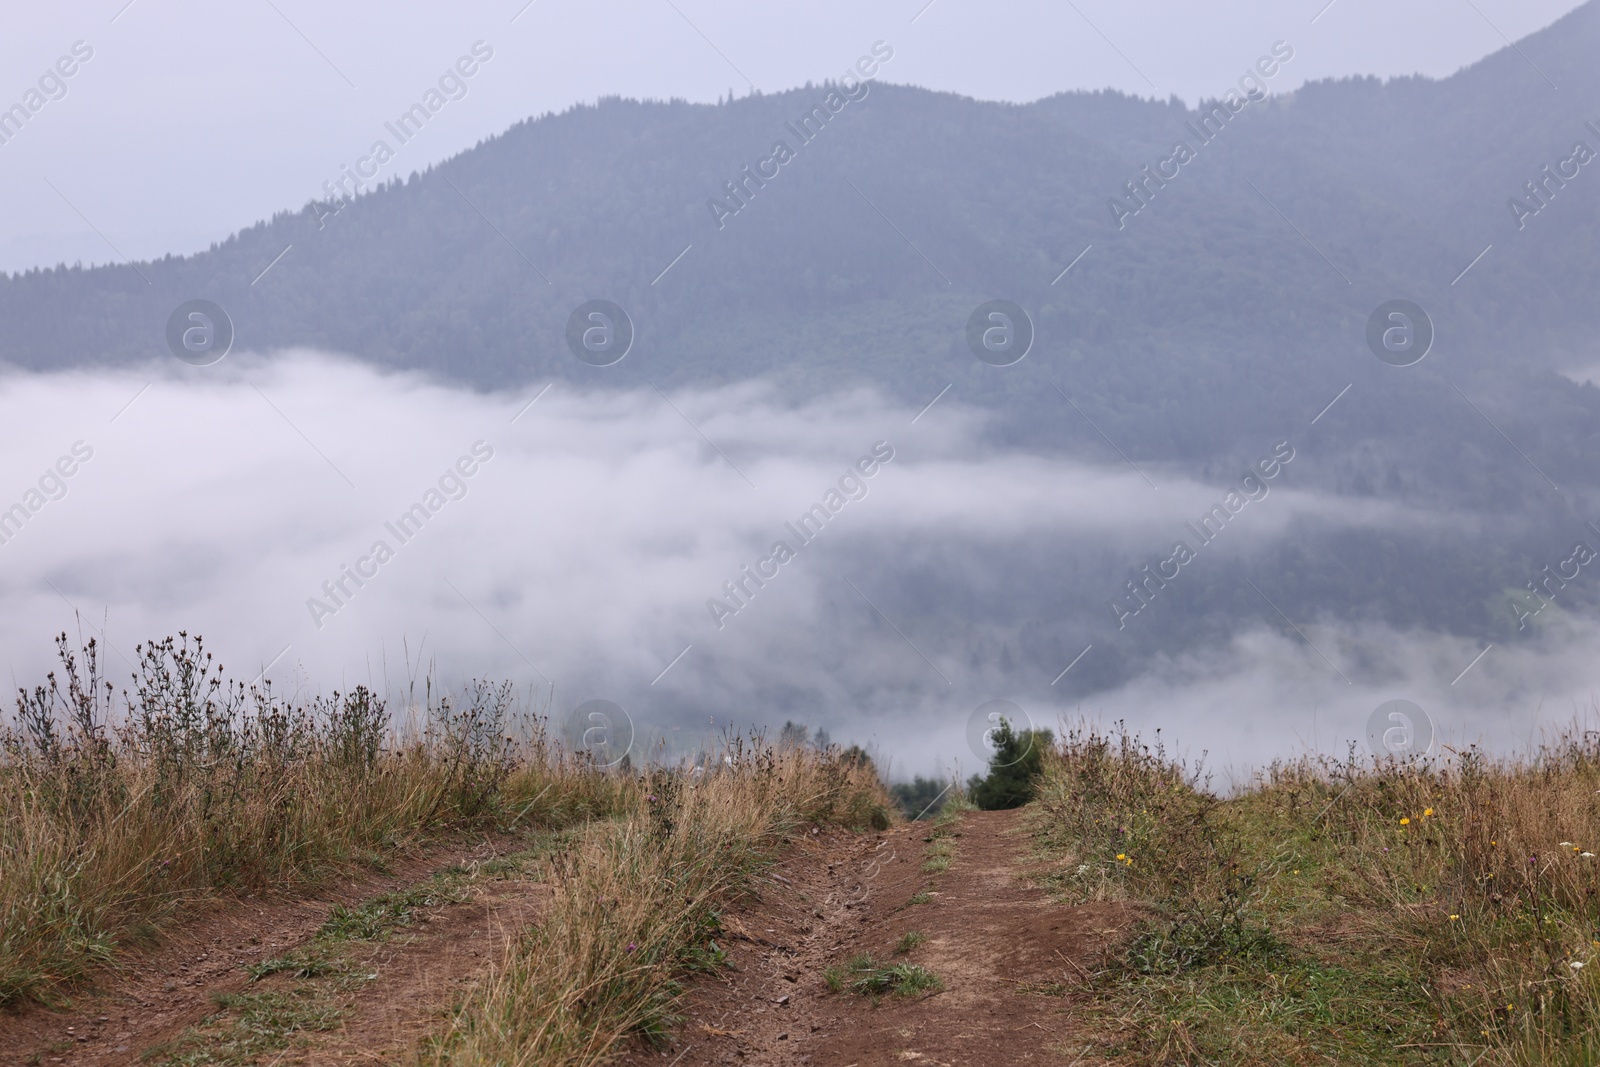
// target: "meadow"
[[1336, 911], [1328, 911]]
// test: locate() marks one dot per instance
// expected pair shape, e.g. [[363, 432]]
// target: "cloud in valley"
[[338, 526]]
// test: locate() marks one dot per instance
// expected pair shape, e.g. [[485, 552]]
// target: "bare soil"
[[421, 976], [153, 995], [1011, 961]]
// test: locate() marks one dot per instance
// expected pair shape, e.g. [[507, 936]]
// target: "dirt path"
[[420, 975], [154, 996], [1009, 961], [1008, 958]]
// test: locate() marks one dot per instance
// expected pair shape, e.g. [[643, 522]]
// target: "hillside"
[[1208, 296]]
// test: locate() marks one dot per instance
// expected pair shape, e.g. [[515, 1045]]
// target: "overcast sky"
[[191, 120]]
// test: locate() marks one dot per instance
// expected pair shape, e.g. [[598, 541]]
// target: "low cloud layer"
[[331, 526]]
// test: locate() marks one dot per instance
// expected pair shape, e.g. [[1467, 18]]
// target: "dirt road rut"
[[1011, 962]]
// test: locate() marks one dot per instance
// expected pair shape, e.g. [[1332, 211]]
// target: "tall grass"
[[636, 905], [1362, 910], [115, 812]]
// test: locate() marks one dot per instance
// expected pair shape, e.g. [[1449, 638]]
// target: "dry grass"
[[1358, 912], [116, 813], [636, 906], [119, 811]]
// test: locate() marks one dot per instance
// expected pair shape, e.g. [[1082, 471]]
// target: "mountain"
[[1199, 327]]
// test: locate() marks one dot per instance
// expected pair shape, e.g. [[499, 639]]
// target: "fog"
[[579, 557]]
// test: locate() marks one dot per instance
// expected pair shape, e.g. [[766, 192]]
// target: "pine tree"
[[1013, 768]]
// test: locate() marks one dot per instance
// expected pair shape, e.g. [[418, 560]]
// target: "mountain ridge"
[[1238, 293]]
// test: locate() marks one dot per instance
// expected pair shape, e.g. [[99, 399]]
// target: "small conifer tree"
[[1014, 766]]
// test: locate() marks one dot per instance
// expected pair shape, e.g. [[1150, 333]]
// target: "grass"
[[120, 815], [118, 812], [376, 918], [908, 941], [636, 903], [251, 1025], [1351, 912], [865, 976], [941, 846]]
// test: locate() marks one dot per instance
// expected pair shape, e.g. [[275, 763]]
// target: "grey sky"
[[193, 119]]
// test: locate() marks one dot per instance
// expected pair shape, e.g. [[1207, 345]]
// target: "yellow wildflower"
[[1405, 822]]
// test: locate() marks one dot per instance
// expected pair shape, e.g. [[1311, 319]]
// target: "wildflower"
[[632, 946], [1576, 965], [1566, 844], [1587, 855], [1405, 822], [1455, 918], [1426, 812], [1120, 856]]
